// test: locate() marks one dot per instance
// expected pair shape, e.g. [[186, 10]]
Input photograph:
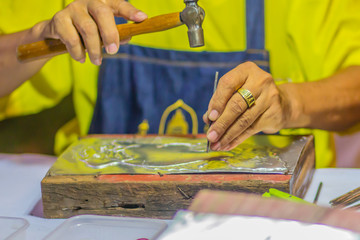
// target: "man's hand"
[[93, 22], [233, 121]]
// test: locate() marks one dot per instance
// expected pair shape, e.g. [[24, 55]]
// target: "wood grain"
[[160, 196], [66, 196]]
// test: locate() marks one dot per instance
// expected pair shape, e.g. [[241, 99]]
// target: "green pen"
[[283, 195]]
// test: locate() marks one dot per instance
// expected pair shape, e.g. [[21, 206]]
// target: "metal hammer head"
[[193, 16]]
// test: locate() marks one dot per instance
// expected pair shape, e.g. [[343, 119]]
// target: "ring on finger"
[[247, 96]]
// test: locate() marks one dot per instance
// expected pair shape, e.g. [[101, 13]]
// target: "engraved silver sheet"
[[177, 155]]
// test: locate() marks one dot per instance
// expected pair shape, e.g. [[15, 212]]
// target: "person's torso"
[[307, 40], [141, 83]]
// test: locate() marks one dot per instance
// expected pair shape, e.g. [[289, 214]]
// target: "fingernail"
[[216, 147], [205, 119], [213, 115], [97, 62], [112, 48], [227, 148], [212, 136], [140, 16], [82, 60]]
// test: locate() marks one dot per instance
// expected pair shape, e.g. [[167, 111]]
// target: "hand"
[[93, 21], [233, 121]]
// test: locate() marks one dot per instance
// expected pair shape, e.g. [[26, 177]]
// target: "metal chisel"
[[215, 85]]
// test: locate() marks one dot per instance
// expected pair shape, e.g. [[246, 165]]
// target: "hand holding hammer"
[[90, 25]]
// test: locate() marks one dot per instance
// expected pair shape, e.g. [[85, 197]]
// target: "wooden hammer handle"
[[52, 47]]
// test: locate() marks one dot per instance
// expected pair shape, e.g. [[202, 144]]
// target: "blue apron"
[[140, 83]]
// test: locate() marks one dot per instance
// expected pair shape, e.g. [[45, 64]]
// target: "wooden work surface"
[[160, 196]]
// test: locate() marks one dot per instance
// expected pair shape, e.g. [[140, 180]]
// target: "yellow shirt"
[[307, 39], [58, 78]]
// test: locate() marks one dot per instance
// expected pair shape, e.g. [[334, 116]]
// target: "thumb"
[[124, 9]]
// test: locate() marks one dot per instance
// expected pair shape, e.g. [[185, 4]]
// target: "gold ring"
[[247, 96]]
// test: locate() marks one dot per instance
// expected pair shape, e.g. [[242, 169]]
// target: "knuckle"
[[236, 108], [72, 6], [71, 42], [217, 102], [248, 64], [88, 28], [53, 28], [267, 77], [58, 18], [102, 10], [244, 122], [226, 82], [221, 126]]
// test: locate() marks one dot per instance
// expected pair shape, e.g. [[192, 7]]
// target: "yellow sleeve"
[[54, 81]]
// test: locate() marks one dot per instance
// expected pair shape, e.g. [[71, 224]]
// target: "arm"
[[13, 73], [90, 21], [330, 104]]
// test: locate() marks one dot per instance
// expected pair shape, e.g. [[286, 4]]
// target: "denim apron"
[[140, 83]]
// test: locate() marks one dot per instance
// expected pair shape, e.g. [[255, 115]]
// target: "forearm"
[[330, 104], [12, 72]]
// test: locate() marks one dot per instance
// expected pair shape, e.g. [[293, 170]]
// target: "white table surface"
[[20, 177]]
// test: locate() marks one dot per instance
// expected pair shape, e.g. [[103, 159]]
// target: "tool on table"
[[355, 207], [347, 198], [318, 193], [272, 192], [192, 16], [215, 85]]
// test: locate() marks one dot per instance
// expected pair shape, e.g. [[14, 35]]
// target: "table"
[[20, 177]]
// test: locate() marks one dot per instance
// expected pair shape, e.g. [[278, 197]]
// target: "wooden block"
[[160, 196]]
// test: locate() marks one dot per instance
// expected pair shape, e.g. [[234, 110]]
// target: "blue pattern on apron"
[[140, 83]]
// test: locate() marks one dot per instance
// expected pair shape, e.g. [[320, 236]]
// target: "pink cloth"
[[348, 151]]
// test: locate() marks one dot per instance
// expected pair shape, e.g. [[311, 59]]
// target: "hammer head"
[[193, 16]]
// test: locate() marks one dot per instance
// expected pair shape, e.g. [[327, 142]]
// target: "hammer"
[[193, 16]]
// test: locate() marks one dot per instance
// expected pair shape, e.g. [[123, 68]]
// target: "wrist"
[[293, 106]]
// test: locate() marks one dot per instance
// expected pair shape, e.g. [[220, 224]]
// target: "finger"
[[266, 123], [227, 85], [206, 118], [252, 130], [240, 125], [124, 9], [88, 30], [62, 26], [235, 107], [104, 18]]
